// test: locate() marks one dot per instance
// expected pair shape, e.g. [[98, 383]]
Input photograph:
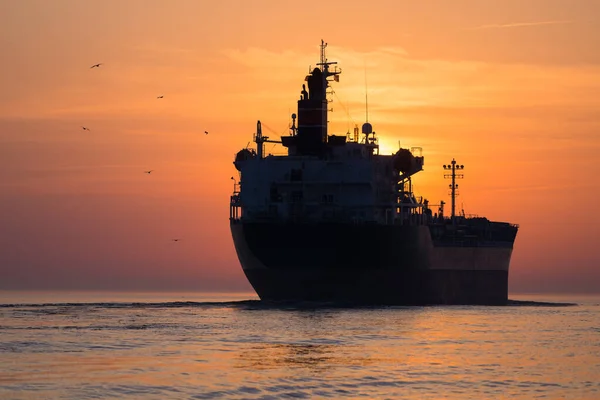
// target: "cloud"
[[521, 24]]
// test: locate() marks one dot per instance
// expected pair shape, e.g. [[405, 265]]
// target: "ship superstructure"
[[334, 220]]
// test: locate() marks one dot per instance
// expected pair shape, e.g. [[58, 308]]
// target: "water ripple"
[[255, 350]]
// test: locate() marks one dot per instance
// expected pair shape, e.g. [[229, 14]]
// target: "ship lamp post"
[[452, 168]]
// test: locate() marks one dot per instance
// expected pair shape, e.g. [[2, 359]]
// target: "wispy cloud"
[[521, 24], [396, 80]]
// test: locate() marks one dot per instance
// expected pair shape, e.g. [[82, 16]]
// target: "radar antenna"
[[324, 66]]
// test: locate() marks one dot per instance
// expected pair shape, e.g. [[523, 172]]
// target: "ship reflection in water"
[[311, 356], [318, 351], [314, 353]]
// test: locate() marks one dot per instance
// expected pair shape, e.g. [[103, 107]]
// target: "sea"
[[86, 345]]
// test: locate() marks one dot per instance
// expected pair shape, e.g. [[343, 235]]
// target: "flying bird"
[[96, 65], [206, 132], [85, 129], [175, 240], [160, 97], [148, 172]]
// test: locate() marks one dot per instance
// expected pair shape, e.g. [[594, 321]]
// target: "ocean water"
[[203, 346]]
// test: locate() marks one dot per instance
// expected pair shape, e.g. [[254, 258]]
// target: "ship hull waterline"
[[358, 265]]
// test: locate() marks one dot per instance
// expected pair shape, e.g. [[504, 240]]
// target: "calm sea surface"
[[200, 346]]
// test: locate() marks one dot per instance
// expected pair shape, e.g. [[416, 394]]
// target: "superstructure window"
[[327, 199], [295, 175], [275, 195], [297, 196]]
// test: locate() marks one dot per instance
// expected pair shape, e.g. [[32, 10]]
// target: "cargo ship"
[[335, 221]]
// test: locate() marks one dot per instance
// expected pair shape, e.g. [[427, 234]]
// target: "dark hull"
[[368, 264], [381, 287]]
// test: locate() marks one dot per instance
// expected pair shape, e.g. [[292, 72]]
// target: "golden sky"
[[511, 89]]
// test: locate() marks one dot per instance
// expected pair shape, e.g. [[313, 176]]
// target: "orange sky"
[[510, 89]]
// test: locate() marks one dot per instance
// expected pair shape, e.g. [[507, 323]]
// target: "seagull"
[[206, 132], [160, 97], [175, 240], [96, 65], [85, 129], [148, 172]]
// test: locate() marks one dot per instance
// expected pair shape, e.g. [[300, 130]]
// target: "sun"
[[387, 146]]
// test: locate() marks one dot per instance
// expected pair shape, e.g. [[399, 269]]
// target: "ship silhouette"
[[335, 221]]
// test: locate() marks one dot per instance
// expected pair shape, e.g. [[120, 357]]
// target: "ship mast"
[[324, 66], [323, 59], [453, 167]]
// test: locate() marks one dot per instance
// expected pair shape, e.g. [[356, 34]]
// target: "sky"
[[509, 89]]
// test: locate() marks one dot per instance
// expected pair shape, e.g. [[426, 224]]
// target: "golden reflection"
[[276, 355], [408, 352]]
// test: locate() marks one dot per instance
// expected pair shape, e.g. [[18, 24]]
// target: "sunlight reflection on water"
[[245, 349]]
